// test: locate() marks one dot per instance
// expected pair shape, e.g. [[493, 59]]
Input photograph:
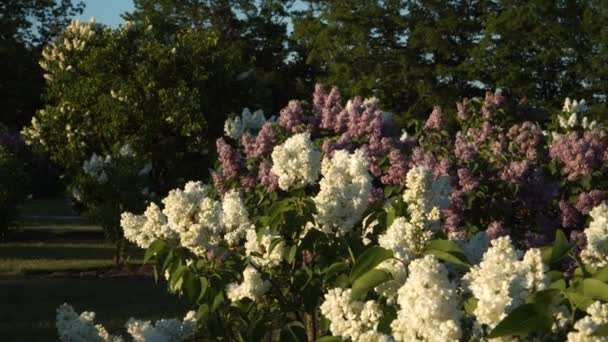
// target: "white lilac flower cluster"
[[570, 119], [247, 122], [351, 319], [235, 218], [95, 167], [426, 197], [75, 38], [144, 229], [169, 330], [429, 304], [502, 281], [596, 251], [406, 241], [587, 326], [296, 162], [252, 287], [259, 249], [72, 327], [193, 218], [345, 191]]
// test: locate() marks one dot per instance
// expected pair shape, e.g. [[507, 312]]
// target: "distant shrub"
[[12, 189]]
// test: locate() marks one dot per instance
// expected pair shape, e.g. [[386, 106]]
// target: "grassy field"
[[56, 257]]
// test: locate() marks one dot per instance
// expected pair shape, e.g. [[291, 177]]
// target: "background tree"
[[253, 31], [25, 26], [538, 47]]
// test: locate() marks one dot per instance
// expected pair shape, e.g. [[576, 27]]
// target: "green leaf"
[[449, 257], [153, 249], [470, 304], [191, 286], [369, 259], [522, 320], [448, 251], [578, 300], [257, 330], [217, 301], [390, 215], [601, 331], [329, 339], [202, 313], [445, 245], [290, 255], [204, 284], [561, 247], [559, 284], [274, 243], [595, 289], [368, 281], [294, 331], [601, 274], [335, 269], [176, 276], [544, 298]]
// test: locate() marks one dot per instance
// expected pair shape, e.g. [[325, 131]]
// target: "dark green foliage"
[[12, 189]]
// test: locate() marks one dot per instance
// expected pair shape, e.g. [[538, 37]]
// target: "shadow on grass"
[[29, 303], [52, 251]]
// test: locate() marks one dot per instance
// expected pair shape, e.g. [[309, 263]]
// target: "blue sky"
[[106, 11]]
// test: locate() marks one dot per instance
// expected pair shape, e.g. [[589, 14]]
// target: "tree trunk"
[[310, 324]]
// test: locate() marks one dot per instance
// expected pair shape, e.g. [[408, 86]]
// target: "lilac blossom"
[[589, 200], [262, 144], [435, 120], [466, 180], [397, 170], [267, 178], [464, 150], [525, 140], [496, 229], [229, 158], [491, 103], [581, 155], [292, 116], [463, 109], [570, 217]]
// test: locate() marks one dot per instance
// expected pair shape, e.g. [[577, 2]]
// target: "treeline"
[[410, 54]]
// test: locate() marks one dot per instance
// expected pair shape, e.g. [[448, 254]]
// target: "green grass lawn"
[[48, 261]]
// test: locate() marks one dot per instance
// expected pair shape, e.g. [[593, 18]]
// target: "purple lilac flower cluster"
[[498, 164]]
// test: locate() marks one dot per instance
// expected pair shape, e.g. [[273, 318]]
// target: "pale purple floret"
[[588, 200], [229, 158], [496, 229], [464, 150], [219, 182], [292, 116], [267, 178], [262, 144], [581, 155], [569, 216], [247, 183], [515, 171], [525, 140], [376, 195], [327, 106], [397, 170], [463, 109], [466, 180], [491, 103], [435, 120]]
